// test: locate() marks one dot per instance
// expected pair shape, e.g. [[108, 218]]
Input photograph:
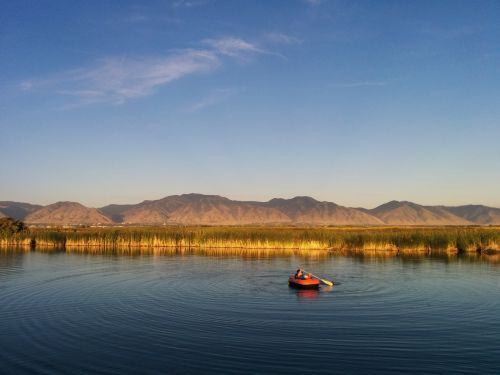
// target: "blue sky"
[[356, 102]]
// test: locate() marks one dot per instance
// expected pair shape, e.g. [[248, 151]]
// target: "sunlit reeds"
[[385, 239]]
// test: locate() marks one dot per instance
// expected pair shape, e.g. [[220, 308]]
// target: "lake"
[[179, 313]]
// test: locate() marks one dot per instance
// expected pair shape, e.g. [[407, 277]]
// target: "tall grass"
[[394, 239]]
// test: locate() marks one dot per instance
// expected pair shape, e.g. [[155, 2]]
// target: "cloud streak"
[[118, 80], [189, 3], [313, 2], [234, 47], [360, 84], [283, 38], [214, 97]]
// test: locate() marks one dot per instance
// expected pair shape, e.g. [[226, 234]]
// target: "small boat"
[[303, 283]]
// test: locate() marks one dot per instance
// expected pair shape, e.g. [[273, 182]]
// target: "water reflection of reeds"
[[256, 253], [209, 252], [385, 241]]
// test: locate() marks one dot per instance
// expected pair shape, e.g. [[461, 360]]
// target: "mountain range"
[[199, 209]]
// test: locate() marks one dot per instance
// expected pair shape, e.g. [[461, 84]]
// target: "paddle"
[[324, 281]]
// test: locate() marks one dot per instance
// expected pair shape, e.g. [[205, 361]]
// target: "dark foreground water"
[[167, 314]]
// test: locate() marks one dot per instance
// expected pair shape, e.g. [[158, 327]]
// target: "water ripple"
[[183, 314]]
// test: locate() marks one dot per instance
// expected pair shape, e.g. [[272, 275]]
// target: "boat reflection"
[[307, 294]]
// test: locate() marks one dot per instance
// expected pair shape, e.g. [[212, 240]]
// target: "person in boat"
[[301, 275]]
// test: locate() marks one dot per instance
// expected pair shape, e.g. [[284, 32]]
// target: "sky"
[[355, 102]]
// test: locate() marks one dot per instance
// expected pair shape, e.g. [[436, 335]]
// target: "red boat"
[[303, 283]]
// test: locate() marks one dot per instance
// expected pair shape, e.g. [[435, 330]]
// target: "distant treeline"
[[454, 239]]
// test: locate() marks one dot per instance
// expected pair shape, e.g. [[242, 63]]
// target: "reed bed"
[[384, 239]]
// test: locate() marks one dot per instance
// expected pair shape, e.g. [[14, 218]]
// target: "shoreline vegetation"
[[389, 239]]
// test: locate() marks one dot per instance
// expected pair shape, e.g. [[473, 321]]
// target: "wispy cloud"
[[189, 3], [313, 2], [136, 18], [283, 38], [359, 84], [26, 85], [234, 47], [214, 97], [117, 80]]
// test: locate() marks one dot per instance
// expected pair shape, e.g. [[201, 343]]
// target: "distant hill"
[[69, 213], [115, 211], [306, 210], [199, 209], [17, 210], [146, 212], [217, 210], [477, 214], [408, 213]]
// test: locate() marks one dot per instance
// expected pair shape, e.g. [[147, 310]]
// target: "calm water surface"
[[156, 314]]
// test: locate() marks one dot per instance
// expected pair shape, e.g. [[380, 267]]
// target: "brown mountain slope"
[[115, 211], [199, 209], [149, 211], [216, 210], [306, 210], [408, 213], [70, 213], [148, 215], [219, 210], [477, 214], [17, 210]]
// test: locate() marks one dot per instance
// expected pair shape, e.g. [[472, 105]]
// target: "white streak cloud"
[[360, 84], [116, 80], [26, 85], [233, 47], [189, 3], [214, 97], [313, 2], [283, 38]]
